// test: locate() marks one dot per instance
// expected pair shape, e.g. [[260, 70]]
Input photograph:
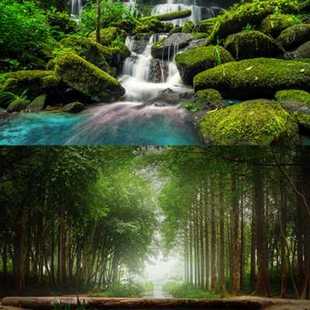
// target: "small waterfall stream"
[[76, 8]]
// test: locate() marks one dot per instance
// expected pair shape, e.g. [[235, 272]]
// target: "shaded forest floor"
[[242, 302]]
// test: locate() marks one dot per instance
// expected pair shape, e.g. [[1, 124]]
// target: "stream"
[[148, 114]]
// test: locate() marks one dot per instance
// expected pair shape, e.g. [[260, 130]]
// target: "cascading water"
[[76, 8]]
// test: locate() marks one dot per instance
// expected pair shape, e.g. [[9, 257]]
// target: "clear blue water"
[[119, 123]]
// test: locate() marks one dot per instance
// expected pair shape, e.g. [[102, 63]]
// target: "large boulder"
[[302, 52], [88, 79], [274, 24], [294, 36], [255, 122], [167, 47], [248, 78], [38, 104], [251, 44], [74, 107], [197, 59], [297, 102]]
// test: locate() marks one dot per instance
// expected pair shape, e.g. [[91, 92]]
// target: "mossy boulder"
[[274, 24], [89, 50], [109, 36], [188, 27], [197, 59], [151, 25], [166, 47], [294, 36], [88, 79], [34, 82], [251, 44], [248, 78], [297, 102], [254, 122], [18, 105]]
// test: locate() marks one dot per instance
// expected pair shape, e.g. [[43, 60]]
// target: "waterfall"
[[76, 8]]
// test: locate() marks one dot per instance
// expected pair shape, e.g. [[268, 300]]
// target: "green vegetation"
[[174, 15], [197, 59], [248, 78], [259, 122], [122, 290], [293, 95], [251, 44], [183, 290]]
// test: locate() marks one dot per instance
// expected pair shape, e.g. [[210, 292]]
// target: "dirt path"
[[235, 303]]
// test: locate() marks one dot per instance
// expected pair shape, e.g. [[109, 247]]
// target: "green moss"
[[19, 104], [210, 97], [274, 24], [188, 27], [198, 59], [251, 44], [87, 78], [110, 36], [152, 25], [248, 78], [293, 95], [34, 82], [256, 122], [294, 36], [248, 13], [174, 15]]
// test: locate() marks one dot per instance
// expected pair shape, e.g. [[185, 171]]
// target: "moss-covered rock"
[[252, 13], [248, 78], [274, 24], [89, 50], [151, 25], [188, 27], [174, 15], [18, 105], [88, 79], [294, 36], [34, 82], [110, 36], [255, 122], [251, 44], [198, 59], [293, 95], [165, 48]]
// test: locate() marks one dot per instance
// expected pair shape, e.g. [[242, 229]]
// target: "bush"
[[113, 13], [24, 31], [122, 290]]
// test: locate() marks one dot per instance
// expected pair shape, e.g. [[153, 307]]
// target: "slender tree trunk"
[[98, 21]]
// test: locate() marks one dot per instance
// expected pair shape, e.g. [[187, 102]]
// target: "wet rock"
[[170, 96], [139, 43], [200, 42], [38, 104], [168, 47], [301, 52], [74, 107], [158, 71]]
